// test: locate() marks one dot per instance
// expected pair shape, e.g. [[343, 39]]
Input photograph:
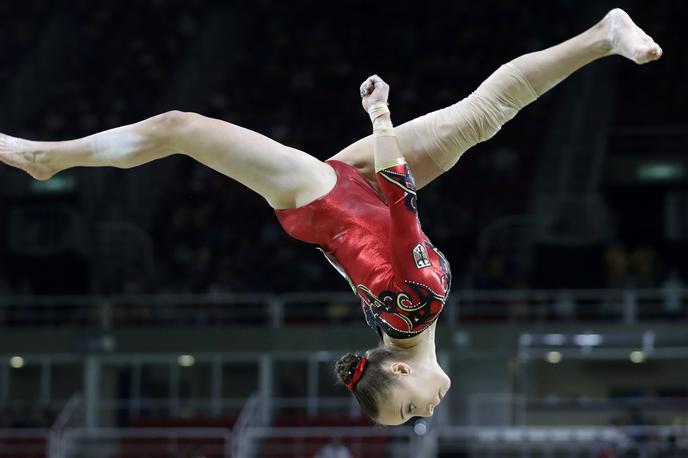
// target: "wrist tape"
[[382, 125]]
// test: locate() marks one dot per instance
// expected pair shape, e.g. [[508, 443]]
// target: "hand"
[[373, 90]]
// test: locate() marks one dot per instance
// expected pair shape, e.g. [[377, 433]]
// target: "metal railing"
[[71, 416], [250, 416], [305, 442], [279, 310], [493, 410], [139, 406]]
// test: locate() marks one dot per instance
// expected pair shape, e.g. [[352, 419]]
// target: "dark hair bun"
[[345, 367]]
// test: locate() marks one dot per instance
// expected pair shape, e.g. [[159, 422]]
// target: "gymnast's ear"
[[400, 368]]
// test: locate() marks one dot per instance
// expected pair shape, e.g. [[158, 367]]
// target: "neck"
[[420, 348]]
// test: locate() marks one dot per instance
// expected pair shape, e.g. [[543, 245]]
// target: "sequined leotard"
[[402, 280]]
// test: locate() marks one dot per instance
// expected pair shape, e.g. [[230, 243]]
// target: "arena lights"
[[558, 340], [587, 340], [553, 357], [637, 357], [186, 360], [17, 362]]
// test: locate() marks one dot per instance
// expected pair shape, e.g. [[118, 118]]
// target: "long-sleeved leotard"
[[377, 243]]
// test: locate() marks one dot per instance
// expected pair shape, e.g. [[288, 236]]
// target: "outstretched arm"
[[285, 177]]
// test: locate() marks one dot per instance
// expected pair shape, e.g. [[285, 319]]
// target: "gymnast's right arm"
[[375, 92], [398, 186]]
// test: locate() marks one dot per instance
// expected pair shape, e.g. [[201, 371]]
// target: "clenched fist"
[[373, 90]]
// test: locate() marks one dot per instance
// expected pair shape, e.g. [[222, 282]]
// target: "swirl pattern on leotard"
[[410, 310]]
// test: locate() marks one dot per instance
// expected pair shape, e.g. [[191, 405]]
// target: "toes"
[[644, 55], [654, 52]]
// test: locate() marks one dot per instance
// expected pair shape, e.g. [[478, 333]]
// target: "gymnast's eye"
[[411, 408]]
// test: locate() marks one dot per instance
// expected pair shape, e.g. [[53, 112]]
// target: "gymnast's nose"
[[430, 410]]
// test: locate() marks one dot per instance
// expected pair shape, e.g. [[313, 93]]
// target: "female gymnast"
[[359, 206]]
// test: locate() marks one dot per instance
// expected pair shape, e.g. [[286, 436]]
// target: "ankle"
[[601, 37]]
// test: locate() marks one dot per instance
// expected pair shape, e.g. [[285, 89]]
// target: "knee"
[[173, 119], [507, 89], [169, 124]]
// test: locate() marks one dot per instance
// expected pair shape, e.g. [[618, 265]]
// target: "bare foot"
[[629, 40], [22, 154]]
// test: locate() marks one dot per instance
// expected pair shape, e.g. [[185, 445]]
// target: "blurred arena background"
[[161, 312]]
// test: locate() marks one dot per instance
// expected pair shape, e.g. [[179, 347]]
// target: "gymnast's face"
[[415, 392]]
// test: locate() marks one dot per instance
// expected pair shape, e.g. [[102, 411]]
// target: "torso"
[[351, 225]]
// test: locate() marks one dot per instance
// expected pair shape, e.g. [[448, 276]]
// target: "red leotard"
[[402, 279]]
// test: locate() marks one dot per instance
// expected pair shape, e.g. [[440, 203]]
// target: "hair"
[[372, 388]]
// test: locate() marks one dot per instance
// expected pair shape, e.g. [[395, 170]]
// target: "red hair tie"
[[358, 373]]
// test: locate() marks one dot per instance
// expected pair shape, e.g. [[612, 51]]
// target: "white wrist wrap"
[[382, 126]]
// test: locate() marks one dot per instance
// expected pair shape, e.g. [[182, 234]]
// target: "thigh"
[[286, 177]]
